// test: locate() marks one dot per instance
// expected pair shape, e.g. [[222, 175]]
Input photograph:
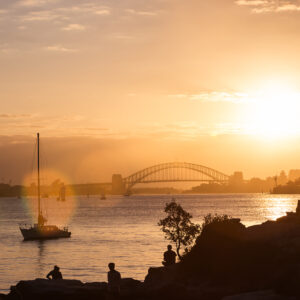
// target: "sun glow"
[[274, 112]]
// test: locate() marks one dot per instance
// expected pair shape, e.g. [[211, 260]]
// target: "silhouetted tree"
[[178, 227], [210, 218]]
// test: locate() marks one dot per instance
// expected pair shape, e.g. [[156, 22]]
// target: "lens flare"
[[57, 209]]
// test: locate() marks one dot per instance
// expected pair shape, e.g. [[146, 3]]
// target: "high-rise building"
[[118, 187]]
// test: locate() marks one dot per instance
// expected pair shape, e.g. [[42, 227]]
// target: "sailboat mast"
[[38, 173]]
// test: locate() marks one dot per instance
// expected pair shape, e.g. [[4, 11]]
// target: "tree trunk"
[[177, 251]]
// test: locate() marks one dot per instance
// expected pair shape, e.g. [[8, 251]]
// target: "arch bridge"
[[175, 172]]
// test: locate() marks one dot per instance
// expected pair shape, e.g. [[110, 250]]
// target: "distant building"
[[236, 179], [118, 187], [294, 175], [282, 178]]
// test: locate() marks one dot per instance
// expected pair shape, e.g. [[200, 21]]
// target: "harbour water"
[[119, 229]]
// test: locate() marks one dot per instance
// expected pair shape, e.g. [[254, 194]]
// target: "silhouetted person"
[[54, 274], [114, 282], [169, 257]]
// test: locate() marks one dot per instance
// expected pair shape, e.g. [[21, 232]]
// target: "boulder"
[[69, 290], [161, 275], [55, 289]]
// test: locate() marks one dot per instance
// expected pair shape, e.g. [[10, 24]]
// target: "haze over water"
[[119, 229]]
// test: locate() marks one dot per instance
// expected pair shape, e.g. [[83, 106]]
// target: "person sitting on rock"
[[114, 282], [169, 257], [54, 274]]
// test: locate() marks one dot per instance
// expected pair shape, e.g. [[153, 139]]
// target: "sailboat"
[[41, 231]]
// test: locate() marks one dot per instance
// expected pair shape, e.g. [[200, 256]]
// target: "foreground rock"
[[43, 289], [229, 261]]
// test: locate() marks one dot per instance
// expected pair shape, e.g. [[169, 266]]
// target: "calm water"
[[118, 229]]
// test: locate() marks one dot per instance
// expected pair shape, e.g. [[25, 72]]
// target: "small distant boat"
[[40, 231]]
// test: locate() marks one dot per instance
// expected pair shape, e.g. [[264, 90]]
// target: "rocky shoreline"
[[229, 261]]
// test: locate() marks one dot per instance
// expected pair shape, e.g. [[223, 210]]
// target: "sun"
[[274, 112]]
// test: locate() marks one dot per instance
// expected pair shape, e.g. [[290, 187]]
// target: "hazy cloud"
[[252, 2], [7, 49], [86, 8], [120, 36], [34, 3], [48, 11], [59, 48], [141, 12], [43, 15], [14, 116], [266, 6], [70, 125], [102, 11], [215, 97], [74, 27]]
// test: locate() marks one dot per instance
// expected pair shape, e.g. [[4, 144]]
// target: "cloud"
[[74, 27], [187, 130], [289, 7], [61, 13], [59, 125], [14, 116], [252, 2], [86, 8], [215, 97], [120, 36], [34, 3], [59, 48], [141, 13], [7, 49], [43, 15], [269, 6], [102, 12]]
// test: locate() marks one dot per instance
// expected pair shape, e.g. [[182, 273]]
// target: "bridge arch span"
[[143, 176]]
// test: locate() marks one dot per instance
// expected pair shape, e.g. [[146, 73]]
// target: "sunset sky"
[[115, 86]]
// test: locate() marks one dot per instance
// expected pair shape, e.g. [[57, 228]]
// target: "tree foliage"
[[210, 218], [178, 227]]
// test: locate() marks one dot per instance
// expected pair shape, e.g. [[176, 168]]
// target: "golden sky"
[[169, 71]]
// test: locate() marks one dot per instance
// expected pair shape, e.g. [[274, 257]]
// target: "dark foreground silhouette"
[[228, 261], [169, 257], [114, 282], [55, 274]]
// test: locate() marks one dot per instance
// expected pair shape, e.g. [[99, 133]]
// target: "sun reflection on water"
[[280, 205]]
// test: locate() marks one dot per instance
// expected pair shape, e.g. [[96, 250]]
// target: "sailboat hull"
[[44, 232]]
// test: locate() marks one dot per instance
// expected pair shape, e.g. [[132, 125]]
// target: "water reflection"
[[40, 259], [280, 205], [41, 254]]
